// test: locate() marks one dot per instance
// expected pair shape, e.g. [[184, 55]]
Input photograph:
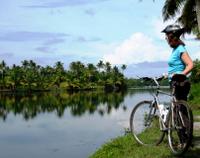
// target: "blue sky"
[[118, 31]]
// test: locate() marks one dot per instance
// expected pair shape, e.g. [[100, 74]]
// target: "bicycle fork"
[[150, 115]]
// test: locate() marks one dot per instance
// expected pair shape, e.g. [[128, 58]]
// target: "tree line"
[[31, 76]]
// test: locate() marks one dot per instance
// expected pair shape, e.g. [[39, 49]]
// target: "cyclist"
[[179, 61]]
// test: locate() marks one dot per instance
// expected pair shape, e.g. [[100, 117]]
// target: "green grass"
[[127, 147], [194, 97]]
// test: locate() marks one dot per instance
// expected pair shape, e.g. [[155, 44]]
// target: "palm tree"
[[108, 67], [2, 72], [25, 63], [195, 76], [123, 67], [29, 73], [15, 76], [91, 72], [190, 14], [48, 73], [91, 67], [198, 13], [59, 73], [77, 68], [100, 64], [76, 73]]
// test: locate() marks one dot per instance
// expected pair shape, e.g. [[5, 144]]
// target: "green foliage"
[[131, 82], [186, 11], [134, 83], [195, 77], [30, 76], [194, 96]]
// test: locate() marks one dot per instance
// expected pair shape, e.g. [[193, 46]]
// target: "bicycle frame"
[[156, 102]]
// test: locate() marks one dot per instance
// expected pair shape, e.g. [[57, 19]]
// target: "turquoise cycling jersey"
[[175, 63]]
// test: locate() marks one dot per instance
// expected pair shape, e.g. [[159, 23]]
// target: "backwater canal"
[[63, 125]]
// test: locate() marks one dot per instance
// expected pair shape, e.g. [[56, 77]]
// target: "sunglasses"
[[169, 38]]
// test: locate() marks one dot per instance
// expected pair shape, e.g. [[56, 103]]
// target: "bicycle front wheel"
[[145, 124], [180, 131]]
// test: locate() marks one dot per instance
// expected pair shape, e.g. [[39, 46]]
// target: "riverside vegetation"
[[33, 77], [29, 76]]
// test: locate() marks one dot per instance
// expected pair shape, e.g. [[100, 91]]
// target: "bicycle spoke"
[[181, 128], [144, 124]]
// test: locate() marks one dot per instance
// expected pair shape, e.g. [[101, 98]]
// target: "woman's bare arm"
[[188, 62]]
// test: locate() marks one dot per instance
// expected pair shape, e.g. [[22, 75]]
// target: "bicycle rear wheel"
[[145, 124], [180, 131]]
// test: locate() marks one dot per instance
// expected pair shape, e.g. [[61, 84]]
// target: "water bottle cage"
[[163, 113]]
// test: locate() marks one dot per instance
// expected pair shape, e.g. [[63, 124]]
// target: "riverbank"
[[127, 147]]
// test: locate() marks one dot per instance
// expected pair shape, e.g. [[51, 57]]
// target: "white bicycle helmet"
[[174, 29]]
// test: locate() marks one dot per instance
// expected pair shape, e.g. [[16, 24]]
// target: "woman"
[[179, 61]]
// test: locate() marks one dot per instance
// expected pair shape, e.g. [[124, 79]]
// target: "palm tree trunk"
[[198, 13]]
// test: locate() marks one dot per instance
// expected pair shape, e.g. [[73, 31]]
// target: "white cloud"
[[136, 49], [195, 55], [159, 25], [193, 47]]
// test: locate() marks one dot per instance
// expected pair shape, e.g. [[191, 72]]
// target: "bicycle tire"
[[146, 134], [180, 132]]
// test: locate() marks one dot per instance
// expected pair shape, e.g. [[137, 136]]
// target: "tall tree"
[[108, 67], [100, 64], [59, 73], [29, 73], [2, 72], [15, 76], [92, 72], [198, 13], [123, 67], [189, 11]]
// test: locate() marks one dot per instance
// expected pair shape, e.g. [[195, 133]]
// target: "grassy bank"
[[127, 147], [194, 98]]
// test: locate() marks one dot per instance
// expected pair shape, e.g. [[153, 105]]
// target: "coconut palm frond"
[[171, 7], [188, 17]]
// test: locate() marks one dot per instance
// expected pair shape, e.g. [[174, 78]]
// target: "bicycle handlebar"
[[154, 79]]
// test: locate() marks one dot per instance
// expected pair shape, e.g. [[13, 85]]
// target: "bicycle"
[[150, 121]]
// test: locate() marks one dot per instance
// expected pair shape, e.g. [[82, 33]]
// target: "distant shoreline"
[[78, 90], [150, 87]]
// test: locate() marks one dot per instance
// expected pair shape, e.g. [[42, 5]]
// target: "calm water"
[[60, 125]]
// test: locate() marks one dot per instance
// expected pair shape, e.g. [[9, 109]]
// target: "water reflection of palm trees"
[[29, 106]]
